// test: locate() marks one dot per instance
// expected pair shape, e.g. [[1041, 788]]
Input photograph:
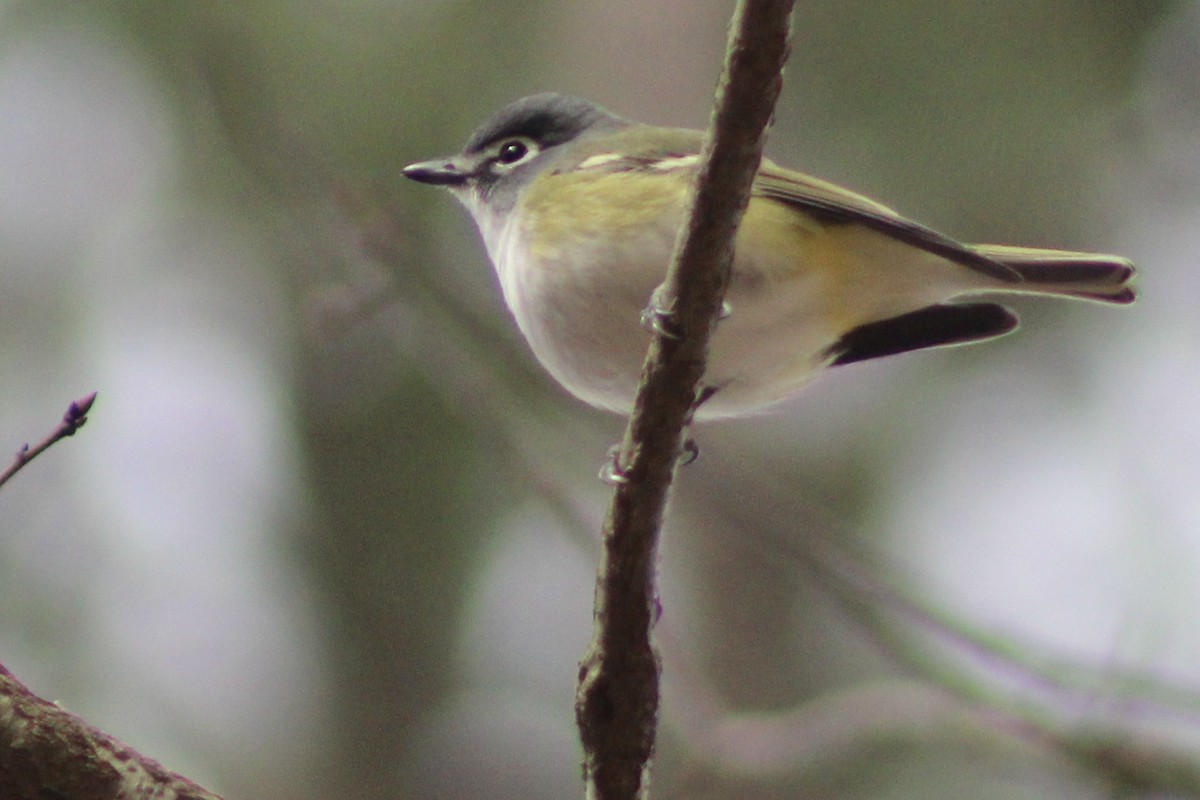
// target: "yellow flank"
[[850, 274], [782, 251], [781, 236]]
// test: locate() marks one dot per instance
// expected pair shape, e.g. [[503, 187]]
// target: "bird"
[[579, 210]]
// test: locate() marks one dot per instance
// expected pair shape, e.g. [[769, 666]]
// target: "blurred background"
[[330, 531]]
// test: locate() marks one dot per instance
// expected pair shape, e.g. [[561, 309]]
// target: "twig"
[[72, 420], [618, 693]]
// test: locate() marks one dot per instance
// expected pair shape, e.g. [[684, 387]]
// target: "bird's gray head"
[[512, 148]]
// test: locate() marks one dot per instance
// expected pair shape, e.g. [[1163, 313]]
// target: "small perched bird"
[[579, 210]]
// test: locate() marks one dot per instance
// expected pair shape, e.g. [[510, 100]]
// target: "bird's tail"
[[1089, 276]]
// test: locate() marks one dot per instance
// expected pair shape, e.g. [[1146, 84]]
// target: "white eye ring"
[[514, 151]]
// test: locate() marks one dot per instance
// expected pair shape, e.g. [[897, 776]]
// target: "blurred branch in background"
[[1139, 736]]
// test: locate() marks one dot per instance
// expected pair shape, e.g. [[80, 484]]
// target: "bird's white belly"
[[580, 310]]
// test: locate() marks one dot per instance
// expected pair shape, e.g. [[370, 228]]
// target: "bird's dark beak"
[[442, 172]]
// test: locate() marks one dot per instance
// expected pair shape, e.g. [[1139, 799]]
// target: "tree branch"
[[618, 693], [46, 752]]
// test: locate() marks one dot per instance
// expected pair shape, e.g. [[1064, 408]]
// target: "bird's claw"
[[689, 453], [660, 320], [659, 316], [612, 471]]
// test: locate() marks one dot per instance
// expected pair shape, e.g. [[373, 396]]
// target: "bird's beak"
[[442, 172]]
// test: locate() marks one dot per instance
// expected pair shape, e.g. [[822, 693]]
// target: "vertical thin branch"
[[618, 693]]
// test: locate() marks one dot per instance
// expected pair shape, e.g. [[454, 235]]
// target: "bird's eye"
[[512, 152]]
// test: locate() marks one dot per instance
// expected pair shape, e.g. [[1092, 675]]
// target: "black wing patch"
[[934, 326]]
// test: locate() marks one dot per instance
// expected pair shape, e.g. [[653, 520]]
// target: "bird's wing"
[[674, 150], [832, 204]]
